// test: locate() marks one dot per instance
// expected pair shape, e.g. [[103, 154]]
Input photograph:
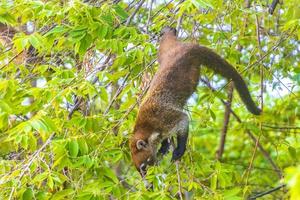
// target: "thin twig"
[[280, 81], [134, 12], [120, 89], [26, 167], [280, 127], [78, 100], [177, 171], [179, 180], [261, 98], [149, 16], [267, 192], [14, 57], [179, 21], [282, 39]]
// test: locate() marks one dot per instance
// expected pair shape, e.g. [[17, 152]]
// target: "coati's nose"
[[142, 169]]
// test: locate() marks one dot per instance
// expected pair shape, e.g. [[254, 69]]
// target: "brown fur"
[[161, 112]]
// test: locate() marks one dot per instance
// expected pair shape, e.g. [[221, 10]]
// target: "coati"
[[161, 112]]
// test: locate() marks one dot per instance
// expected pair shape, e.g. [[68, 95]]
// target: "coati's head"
[[143, 151], [169, 30], [167, 42]]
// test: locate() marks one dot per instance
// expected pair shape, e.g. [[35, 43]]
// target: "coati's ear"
[[168, 29], [141, 144]]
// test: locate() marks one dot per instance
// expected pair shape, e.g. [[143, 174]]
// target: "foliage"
[[293, 180], [70, 87]]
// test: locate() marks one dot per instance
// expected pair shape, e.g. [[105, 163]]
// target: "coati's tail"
[[212, 60]]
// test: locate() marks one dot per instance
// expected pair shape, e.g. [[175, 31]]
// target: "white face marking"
[[154, 137], [148, 160]]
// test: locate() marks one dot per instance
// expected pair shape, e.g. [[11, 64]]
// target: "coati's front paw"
[[164, 149], [177, 154]]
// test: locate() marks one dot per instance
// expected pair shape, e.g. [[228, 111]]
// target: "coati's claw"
[[177, 154], [164, 149]]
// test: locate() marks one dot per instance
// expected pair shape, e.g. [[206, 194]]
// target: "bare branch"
[[134, 12], [252, 137], [226, 122], [267, 192]]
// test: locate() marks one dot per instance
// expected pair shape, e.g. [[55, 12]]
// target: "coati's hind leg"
[[165, 144], [181, 130]]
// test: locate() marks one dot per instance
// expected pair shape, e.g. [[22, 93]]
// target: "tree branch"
[[248, 171], [280, 127], [267, 192], [78, 100], [252, 137], [25, 167], [134, 12], [226, 122]]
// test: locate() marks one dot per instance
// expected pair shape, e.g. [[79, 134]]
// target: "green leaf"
[[292, 152], [202, 4], [212, 114], [5, 107], [232, 194], [24, 142], [63, 194], [73, 148], [78, 33], [83, 147], [102, 31], [7, 18], [58, 29], [51, 127], [21, 43], [292, 178], [41, 195], [3, 120], [34, 41], [213, 182], [110, 174], [28, 194], [85, 44], [40, 178], [38, 125], [120, 11]]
